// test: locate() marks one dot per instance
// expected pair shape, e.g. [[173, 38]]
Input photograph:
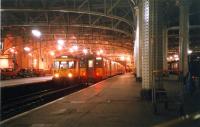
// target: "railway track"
[[16, 105]]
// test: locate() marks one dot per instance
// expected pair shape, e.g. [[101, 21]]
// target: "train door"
[[90, 69], [110, 68]]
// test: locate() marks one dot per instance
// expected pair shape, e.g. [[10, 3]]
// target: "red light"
[[84, 74], [97, 74]]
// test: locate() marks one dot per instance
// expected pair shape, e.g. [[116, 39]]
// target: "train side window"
[[56, 64], [63, 65], [82, 64], [99, 62], [71, 64], [90, 63]]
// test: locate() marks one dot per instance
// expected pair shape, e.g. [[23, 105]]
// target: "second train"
[[84, 69]]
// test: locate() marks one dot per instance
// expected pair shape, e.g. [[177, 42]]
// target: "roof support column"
[[152, 46], [184, 36], [138, 45], [165, 47]]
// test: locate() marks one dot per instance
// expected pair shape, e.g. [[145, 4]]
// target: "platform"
[[14, 82], [114, 102]]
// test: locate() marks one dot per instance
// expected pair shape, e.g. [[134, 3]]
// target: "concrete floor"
[[114, 102], [15, 82]]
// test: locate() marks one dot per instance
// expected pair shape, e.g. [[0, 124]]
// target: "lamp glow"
[[189, 51], [12, 50], [56, 75], [36, 33], [52, 53], [59, 47], [85, 51], [27, 49], [128, 59], [122, 58], [60, 42], [101, 51], [70, 75], [71, 50], [75, 47], [30, 54]]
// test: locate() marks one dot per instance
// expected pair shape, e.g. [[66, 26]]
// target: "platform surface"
[[114, 102], [14, 82]]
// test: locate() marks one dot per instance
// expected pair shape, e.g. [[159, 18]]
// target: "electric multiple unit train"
[[84, 68]]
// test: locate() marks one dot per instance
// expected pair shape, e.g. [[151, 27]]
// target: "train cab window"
[[71, 64], [90, 63], [99, 62], [63, 65], [83, 64], [56, 64]]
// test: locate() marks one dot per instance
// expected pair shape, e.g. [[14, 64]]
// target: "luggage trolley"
[[167, 92], [159, 94]]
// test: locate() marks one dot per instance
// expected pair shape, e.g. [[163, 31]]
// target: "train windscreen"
[[99, 62], [56, 65], [83, 64], [64, 64]]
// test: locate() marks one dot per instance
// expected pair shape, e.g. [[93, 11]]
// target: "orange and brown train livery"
[[84, 69]]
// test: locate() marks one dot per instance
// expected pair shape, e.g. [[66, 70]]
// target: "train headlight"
[[56, 75], [70, 75]]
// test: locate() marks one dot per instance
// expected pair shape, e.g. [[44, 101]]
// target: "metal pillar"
[[146, 47], [183, 36], [152, 46], [165, 48], [137, 46]]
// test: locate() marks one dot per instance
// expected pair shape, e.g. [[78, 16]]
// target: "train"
[[84, 69]]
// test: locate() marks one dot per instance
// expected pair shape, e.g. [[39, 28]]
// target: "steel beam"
[[177, 27], [74, 25], [70, 11], [108, 11], [184, 36]]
